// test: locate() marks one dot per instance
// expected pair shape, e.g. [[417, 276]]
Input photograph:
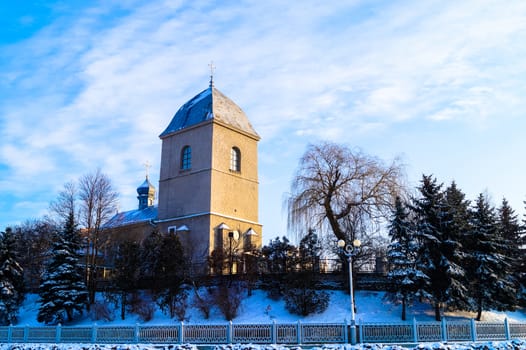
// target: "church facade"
[[208, 184]]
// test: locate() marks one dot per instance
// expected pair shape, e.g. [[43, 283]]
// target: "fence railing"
[[271, 333]]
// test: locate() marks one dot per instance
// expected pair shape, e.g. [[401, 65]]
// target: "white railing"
[[271, 333]]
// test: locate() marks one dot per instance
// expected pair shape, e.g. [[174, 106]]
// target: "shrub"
[[180, 305], [304, 301], [228, 299], [143, 308], [204, 302], [101, 311]]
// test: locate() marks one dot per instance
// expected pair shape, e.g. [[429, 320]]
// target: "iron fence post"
[[94, 333], [415, 330], [274, 332], [444, 329], [507, 328], [181, 332], [298, 332], [473, 330], [136, 335], [58, 333]]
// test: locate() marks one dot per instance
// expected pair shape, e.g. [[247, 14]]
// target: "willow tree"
[[342, 189]]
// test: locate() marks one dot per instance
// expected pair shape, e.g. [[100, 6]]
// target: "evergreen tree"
[[170, 269], [126, 273], [150, 259], [11, 279], [438, 255], [63, 293], [302, 295], [454, 240], [279, 255], [309, 251], [404, 276], [510, 230], [522, 266], [489, 266]]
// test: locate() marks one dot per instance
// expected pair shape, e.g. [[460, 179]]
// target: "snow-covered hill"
[[371, 307]]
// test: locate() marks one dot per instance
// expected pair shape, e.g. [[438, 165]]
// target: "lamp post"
[[233, 235], [350, 250]]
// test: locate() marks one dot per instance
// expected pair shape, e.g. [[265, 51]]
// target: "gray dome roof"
[[209, 104]]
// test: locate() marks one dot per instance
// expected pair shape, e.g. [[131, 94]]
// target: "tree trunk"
[[403, 308], [123, 305], [438, 317]]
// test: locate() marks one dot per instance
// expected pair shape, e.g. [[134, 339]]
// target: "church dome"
[[146, 187], [146, 194], [207, 105]]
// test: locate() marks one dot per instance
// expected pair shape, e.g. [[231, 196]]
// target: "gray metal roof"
[[209, 104], [132, 217]]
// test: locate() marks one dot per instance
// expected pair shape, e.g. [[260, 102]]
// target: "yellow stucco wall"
[[210, 193]]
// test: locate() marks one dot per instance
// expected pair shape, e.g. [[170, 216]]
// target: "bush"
[[101, 311], [228, 299], [204, 302], [304, 301], [180, 305], [144, 309]]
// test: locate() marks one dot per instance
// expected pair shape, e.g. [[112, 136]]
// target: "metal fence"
[[272, 333]]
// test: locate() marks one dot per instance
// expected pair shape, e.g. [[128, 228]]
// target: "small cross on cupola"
[[212, 69]]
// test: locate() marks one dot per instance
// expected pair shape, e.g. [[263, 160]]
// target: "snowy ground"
[[371, 307]]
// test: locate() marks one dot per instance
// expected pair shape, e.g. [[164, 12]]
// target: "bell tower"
[[208, 186]]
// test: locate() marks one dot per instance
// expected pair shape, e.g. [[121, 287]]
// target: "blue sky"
[[91, 84]]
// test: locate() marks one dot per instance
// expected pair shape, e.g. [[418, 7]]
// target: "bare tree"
[[338, 188], [98, 202], [35, 238], [65, 202]]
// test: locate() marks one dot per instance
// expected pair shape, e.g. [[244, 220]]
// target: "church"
[[208, 183]]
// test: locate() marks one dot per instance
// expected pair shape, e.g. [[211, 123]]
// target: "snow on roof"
[[209, 104], [132, 217]]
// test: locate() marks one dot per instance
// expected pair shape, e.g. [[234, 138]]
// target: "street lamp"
[[233, 235], [350, 250]]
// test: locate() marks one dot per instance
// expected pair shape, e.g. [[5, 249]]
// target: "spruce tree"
[[150, 259], [437, 256], [63, 293], [11, 279], [510, 231], [303, 295], [309, 251], [279, 256], [453, 245], [126, 272], [404, 276], [171, 268], [491, 289]]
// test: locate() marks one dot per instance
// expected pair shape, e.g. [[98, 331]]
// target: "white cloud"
[[96, 89]]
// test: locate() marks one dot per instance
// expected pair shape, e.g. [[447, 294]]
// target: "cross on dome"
[[147, 167], [212, 69]]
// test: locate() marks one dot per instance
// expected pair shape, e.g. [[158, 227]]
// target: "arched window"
[[235, 159], [186, 158]]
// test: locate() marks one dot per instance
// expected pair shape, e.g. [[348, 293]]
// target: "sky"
[[91, 84]]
